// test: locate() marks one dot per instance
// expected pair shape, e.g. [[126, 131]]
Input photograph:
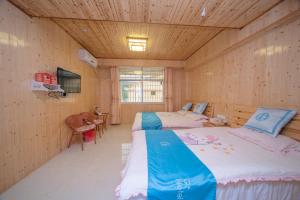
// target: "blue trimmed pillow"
[[270, 121], [187, 106], [200, 107]]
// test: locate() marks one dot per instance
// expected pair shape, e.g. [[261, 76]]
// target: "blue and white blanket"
[[229, 157], [150, 121], [174, 172]]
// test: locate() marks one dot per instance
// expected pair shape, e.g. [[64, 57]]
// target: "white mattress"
[[243, 170], [170, 120]]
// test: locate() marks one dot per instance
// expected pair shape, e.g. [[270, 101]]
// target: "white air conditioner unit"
[[85, 56]]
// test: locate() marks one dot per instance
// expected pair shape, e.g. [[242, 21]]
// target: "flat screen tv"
[[69, 81]]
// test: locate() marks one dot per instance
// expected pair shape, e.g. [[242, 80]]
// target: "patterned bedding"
[[231, 158]]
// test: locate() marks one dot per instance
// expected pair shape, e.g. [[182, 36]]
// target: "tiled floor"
[[75, 175]]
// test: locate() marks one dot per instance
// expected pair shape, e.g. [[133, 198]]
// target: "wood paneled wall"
[[32, 124], [129, 110], [229, 40], [178, 89], [104, 89], [263, 71]]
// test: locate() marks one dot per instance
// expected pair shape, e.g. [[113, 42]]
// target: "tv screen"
[[69, 81]]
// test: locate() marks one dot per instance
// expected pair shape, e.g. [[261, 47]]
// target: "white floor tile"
[[75, 175]]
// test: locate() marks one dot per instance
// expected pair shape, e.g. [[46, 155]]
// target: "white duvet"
[[172, 120], [230, 158]]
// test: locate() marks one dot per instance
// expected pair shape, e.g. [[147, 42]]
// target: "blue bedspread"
[[150, 121], [174, 172]]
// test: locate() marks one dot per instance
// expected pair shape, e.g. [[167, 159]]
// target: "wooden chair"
[[104, 118], [79, 124], [99, 123]]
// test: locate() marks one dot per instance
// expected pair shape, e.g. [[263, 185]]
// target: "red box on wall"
[[53, 79], [45, 77], [39, 77]]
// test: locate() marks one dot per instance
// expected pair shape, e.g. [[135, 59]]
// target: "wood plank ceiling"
[[164, 41], [175, 28]]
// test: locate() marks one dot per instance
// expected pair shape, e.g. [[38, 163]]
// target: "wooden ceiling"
[[221, 13], [108, 39], [175, 28]]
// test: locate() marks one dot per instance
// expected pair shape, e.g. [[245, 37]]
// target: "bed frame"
[[242, 113]]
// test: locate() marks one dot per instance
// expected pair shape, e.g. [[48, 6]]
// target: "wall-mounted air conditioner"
[[85, 56]]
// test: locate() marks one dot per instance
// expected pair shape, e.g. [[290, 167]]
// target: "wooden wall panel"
[[105, 88], [178, 89], [32, 124], [262, 72], [228, 40], [128, 111]]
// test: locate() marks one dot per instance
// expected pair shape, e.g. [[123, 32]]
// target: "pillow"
[[187, 106], [200, 107], [270, 121], [279, 144], [195, 116]]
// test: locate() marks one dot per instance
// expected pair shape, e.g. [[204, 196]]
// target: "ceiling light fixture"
[[137, 44]]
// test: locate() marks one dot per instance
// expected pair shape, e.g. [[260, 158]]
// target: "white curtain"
[[116, 104], [168, 89]]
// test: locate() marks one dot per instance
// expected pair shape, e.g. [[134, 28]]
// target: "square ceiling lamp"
[[137, 44]]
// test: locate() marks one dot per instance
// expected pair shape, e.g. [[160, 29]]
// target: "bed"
[[243, 169], [175, 120]]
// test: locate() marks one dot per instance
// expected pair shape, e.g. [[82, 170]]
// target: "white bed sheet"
[[242, 169], [253, 191], [172, 120]]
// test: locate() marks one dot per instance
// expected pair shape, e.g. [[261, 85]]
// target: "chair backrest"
[[74, 121], [87, 116]]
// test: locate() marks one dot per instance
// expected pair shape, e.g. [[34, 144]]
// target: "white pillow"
[[270, 121]]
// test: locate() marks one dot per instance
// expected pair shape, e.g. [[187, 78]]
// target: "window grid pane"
[[139, 85], [131, 91], [152, 91]]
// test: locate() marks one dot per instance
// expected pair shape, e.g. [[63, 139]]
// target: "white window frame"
[[142, 80]]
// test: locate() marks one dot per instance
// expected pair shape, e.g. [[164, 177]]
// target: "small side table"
[[103, 117]]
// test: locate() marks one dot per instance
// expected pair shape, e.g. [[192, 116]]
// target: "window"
[[141, 85]]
